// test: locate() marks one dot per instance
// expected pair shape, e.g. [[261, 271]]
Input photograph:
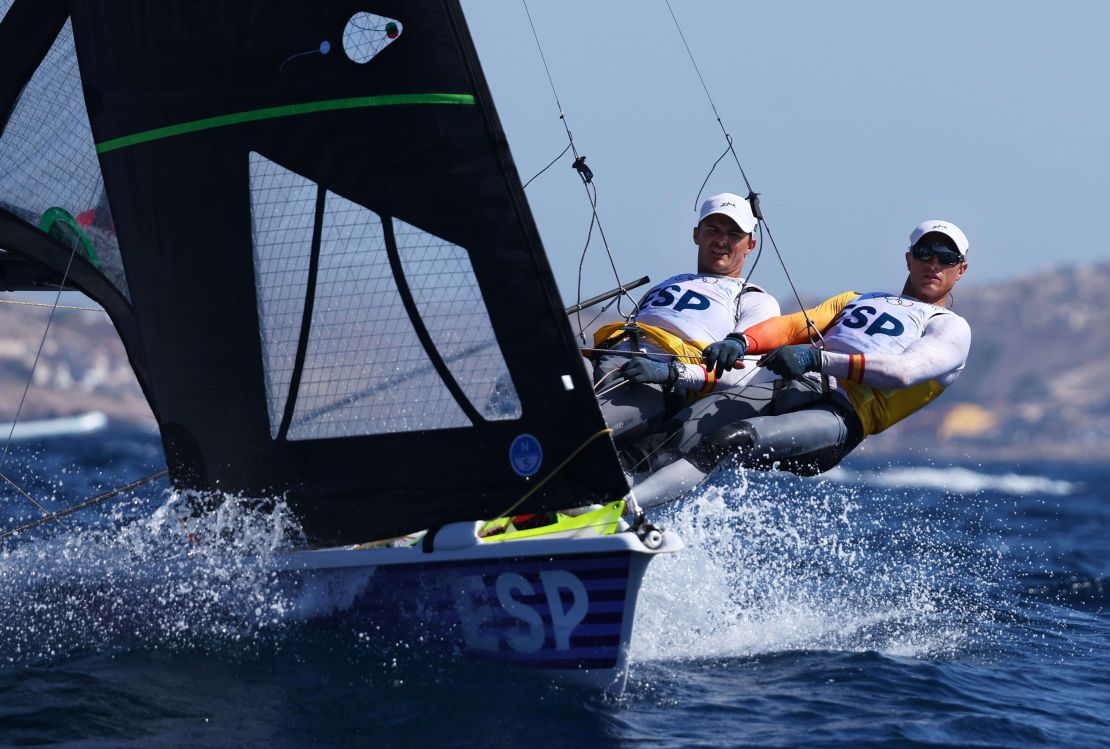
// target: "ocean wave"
[[163, 579], [776, 563], [956, 479]]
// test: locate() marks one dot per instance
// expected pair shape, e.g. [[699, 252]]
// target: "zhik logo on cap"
[[735, 207]]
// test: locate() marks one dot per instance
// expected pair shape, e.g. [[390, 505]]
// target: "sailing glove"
[[723, 355], [791, 362], [642, 370]]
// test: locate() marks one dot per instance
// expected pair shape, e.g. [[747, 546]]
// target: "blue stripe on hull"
[[558, 613]]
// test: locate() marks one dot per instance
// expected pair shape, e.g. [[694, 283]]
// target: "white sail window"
[[48, 163], [365, 371], [5, 5], [283, 214], [450, 302], [367, 34]]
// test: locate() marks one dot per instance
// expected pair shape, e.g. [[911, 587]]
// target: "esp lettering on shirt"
[[665, 297], [702, 308], [879, 322], [857, 316]]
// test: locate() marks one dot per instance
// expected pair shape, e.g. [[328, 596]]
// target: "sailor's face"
[[722, 246], [930, 280]]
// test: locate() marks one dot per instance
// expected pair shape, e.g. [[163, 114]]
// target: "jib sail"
[[306, 224]]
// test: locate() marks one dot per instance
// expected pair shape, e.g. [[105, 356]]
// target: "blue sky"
[[855, 120]]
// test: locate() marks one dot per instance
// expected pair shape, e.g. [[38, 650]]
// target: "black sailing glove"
[[642, 370], [723, 355], [791, 362]]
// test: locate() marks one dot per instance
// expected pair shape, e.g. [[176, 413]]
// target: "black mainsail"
[[306, 224]]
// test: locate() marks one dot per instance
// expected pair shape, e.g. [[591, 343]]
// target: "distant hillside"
[[1036, 385], [83, 366]]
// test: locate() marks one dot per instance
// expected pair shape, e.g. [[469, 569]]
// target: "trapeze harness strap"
[[882, 323], [659, 340]]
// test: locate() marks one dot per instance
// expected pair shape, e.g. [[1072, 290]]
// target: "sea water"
[[878, 605]]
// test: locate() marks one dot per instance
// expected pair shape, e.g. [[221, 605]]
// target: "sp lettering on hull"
[[519, 613]]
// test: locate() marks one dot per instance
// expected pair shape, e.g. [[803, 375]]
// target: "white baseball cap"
[[947, 228], [735, 207]]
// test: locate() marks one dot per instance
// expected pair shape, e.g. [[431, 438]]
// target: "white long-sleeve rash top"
[[891, 354], [702, 308]]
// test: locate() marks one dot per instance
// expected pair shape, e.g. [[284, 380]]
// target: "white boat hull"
[[561, 606]]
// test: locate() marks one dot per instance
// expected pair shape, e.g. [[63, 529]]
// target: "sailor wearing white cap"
[[947, 231], [688, 325]]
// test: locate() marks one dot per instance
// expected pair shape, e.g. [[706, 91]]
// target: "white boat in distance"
[[28, 430]]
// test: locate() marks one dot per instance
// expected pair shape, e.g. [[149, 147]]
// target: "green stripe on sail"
[[271, 113]]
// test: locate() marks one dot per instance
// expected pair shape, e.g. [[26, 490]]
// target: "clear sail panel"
[[283, 214], [450, 303], [49, 172], [365, 371]]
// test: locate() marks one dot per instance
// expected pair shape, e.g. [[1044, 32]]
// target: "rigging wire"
[[612, 264], [584, 173], [600, 312], [752, 195], [551, 164], [604, 241], [91, 502], [52, 306], [712, 104], [550, 80], [30, 378], [578, 287], [19, 490], [712, 169]]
